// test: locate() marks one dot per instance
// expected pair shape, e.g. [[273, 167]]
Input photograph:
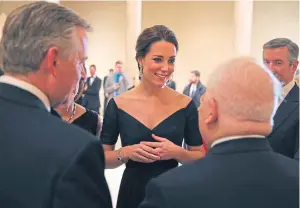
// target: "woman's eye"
[[157, 59]]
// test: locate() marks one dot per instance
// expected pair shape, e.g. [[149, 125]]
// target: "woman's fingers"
[[149, 149], [141, 158], [148, 155]]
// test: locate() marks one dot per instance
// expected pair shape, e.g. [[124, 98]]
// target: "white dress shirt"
[[92, 79], [193, 89], [225, 139], [27, 87], [286, 89]]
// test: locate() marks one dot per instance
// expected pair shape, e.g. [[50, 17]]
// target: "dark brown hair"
[[151, 35], [118, 62], [196, 73], [94, 66]]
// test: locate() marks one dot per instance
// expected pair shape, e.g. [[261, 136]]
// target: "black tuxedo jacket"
[[172, 85], [243, 173], [91, 98], [284, 138], [104, 80], [200, 90], [44, 161]]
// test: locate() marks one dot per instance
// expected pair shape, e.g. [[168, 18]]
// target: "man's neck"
[[236, 137], [29, 85], [231, 128]]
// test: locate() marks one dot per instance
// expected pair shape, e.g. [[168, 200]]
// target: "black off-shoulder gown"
[[183, 124]]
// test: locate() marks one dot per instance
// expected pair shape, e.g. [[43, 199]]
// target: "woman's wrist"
[[180, 153], [123, 155]]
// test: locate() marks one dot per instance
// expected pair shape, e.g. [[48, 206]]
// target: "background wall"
[[273, 19], [205, 30], [107, 42]]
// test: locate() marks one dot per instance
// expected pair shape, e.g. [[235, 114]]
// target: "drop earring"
[[140, 71]]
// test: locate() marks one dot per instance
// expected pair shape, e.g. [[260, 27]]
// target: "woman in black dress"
[[152, 120], [76, 114]]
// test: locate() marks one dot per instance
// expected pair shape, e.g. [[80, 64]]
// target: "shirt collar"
[[225, 139], [27, 87], [287, 88]]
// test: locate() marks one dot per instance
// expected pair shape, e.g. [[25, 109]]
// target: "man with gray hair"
[[280, 55], [44, 161], [240, 168]]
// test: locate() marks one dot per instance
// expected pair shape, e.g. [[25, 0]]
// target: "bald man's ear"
[[213, 116]]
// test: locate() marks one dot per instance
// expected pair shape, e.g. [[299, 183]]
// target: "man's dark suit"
[[44, 161], [200, 90], [105, 98], [91, 99], [284, 138], [242, 173], [172, 84]]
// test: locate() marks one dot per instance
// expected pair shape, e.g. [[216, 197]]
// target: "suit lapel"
[[286, 108], [187, 90], [89, 81], [198, 86], [95, 79]]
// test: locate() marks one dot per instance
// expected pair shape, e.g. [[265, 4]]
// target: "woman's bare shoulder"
[[179, 97], [125, 98]]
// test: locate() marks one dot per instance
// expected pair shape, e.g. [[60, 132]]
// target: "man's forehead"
[[276, 53]]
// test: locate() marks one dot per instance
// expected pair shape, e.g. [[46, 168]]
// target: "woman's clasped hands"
[[148, 152]]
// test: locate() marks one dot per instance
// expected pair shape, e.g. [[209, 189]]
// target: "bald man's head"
[[240, 91]]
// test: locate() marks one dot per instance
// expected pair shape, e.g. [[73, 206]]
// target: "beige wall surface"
[[205, 33], [205, 30], [107, 41], [273, 19]]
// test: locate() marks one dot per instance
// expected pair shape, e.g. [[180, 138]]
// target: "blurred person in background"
[[91, 98], [195, 89], [118, 83], [171, 83], [110, 74]]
